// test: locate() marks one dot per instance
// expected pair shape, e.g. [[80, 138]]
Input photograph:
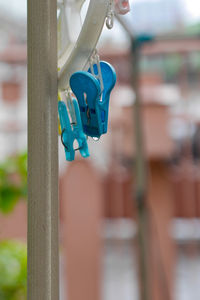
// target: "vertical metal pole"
[[140, 170], [43, 281]]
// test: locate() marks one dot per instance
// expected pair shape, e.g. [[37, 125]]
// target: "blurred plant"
[[193, 29], [169, 66], [13, 181], [172, 66], [13, 270], [194, 61]]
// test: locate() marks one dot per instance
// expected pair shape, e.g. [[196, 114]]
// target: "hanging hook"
[[110, 20], [110, 15]]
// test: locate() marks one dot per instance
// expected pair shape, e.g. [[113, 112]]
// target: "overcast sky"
[[18, 7], [192, 7]]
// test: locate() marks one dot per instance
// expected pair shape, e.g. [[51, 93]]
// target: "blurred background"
[[130, 214]]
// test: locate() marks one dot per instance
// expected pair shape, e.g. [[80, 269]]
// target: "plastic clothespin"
[[72, 132], [93, 102], [108, 77], [122, 7]]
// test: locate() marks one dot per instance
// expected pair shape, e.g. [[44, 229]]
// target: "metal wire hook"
[[110, 15], [110, 20]]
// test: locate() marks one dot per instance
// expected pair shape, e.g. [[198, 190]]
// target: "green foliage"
[[194, 60], [13, 270], [13, 181], [172, 65], [193, 29]]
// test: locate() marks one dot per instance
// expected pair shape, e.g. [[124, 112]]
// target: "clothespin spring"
[[62, 140]]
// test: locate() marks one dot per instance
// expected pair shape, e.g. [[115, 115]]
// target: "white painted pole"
[[43, 281]]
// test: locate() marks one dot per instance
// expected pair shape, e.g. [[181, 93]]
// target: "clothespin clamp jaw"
[[72, 131], [93, 101]]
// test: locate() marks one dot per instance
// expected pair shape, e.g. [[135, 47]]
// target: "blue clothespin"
[[93, 102], [72, 132]]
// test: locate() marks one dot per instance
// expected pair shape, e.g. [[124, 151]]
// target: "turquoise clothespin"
[[72, 132], [93, 101]]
